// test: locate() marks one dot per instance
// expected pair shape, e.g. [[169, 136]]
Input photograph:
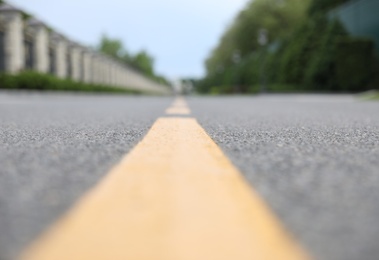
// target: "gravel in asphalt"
[[314, 159], [54, 147]]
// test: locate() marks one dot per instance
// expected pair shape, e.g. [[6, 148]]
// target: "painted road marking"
[[179, 107], [178, 111], [180, 101], [175, 196]]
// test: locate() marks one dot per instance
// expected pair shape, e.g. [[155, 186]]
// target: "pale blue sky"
[[178, 33]]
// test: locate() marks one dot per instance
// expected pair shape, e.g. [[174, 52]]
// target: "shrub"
[[36, 81]]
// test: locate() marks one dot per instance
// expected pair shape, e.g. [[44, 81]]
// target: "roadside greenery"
[[29, 80], [322, 6], [307, 51], [372, 95], [142, 61]]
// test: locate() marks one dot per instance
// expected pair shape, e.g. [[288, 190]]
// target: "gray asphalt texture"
[[314, 159], [53, 148]]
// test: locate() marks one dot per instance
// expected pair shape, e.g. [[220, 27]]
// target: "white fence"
[[28, 44]]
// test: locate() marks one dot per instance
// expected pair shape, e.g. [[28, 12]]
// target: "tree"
[[141, 61], [321, 6], [279, 17], [313, 51], [144, 63], [111, 47]]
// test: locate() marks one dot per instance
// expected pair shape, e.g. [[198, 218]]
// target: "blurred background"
[[202, 47], [297, 46], [162, 40], [313, 156]]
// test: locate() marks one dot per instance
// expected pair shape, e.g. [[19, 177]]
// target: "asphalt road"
[[314, 159], [53, 148]]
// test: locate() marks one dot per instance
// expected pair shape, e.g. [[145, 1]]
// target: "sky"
[[179, 34]]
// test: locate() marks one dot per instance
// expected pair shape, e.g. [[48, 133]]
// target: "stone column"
[[41, 45], [96, 70], [81, 50], [93, 69], [114, 73], [95, 79], [102, 70], [117, 74], [59, 46], [75, 60], [105, 70], [132, 79], [99, 69], [13, 38], [126, 77], [110, 72], [87, 66], [121, 73]]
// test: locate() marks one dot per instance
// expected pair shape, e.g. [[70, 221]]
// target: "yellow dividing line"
[[179, 107], [180, 101], [174, 197]]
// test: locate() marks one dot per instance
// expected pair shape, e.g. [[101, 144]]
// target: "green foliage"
[[26, 16], [320, 71], [29, 80], [279, 17], [308, 59], [354, 63], [303, 57], [321, 6], [370, 95], [316, 59], [112, 47], [283, 88], [142, 61]]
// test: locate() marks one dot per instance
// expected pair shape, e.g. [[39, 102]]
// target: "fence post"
[[59, 46], [13, 38], [87, 66], [74, 53], [41, 45]]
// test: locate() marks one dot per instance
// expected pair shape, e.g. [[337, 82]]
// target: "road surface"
[[314, 160]]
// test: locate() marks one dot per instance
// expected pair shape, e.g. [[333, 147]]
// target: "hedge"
[[35, 81]]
